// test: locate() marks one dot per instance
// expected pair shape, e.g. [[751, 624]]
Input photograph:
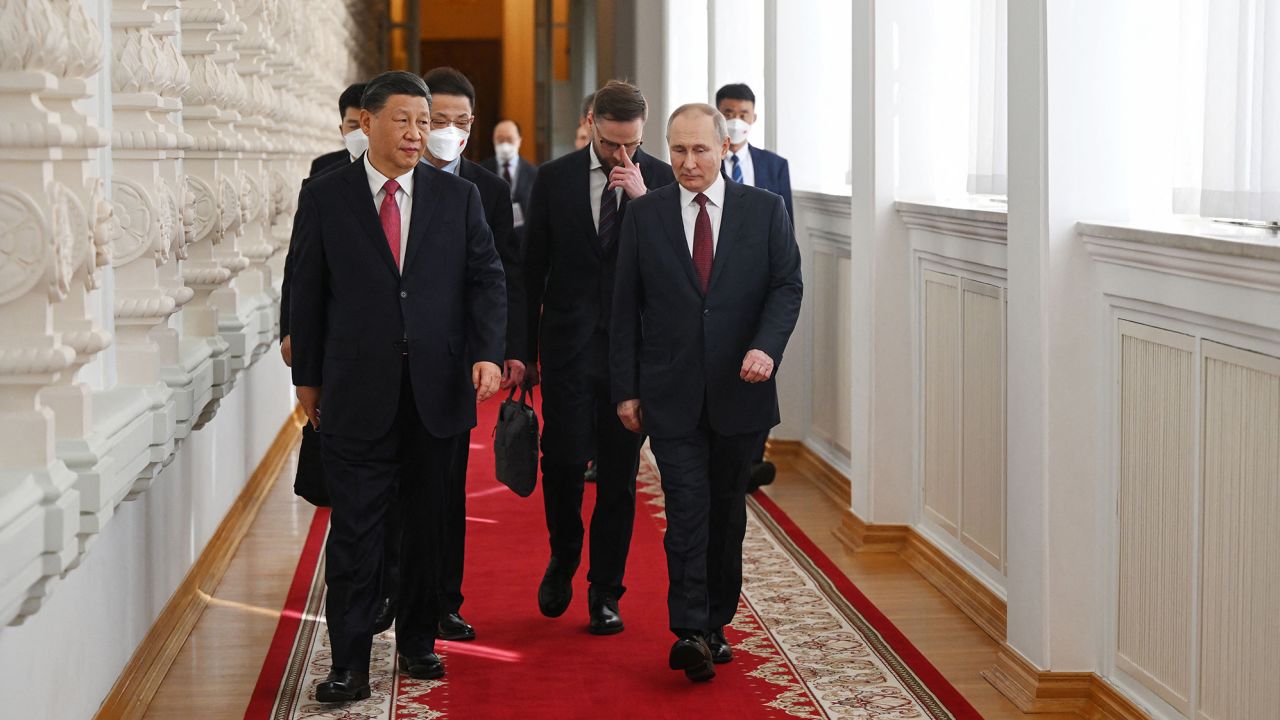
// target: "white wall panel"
[[1156, 490], [941, 385], [1240, 584], [982, 422]]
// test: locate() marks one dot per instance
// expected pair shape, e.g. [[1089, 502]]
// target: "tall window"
[[687, 54], [815, 92], [738, 55]]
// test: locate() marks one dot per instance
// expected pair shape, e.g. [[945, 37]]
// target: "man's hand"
[[309, 399], [512, 374], [627, 176], [631, 415], [485, 378], [531, 375], [756, 367], [286, 350]]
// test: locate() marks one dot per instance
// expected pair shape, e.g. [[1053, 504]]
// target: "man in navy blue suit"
[[750, 165], [707, 294], [398, 320]]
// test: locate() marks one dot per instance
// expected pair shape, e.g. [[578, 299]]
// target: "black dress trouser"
[[454, 524], [362, 479], [704, 479], [580, 417]]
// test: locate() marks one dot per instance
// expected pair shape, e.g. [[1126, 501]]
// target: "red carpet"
[[807, 643]]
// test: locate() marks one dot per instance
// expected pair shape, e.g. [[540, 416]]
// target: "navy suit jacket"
[[568, 273], [495, 195], [773, 174], [679, 351], [352, 310], [525, 177], [329, 161]]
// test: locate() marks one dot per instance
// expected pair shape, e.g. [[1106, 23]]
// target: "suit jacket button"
[[404, 294], [706, 311]]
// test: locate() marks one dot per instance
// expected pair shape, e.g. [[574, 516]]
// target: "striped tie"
[[737, 170], [608, 229]]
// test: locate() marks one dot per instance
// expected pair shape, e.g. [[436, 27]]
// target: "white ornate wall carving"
[[173, 216]]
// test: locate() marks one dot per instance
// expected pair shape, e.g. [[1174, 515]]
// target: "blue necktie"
[[737, 170]]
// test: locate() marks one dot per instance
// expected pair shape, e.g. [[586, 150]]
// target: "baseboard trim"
[[973, 597], [141, 678], [799, 457], [1037, 691]]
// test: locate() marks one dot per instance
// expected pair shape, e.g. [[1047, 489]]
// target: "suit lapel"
[[421, 207], [730, 222], [673, 223], [582, 203], [366, 215]]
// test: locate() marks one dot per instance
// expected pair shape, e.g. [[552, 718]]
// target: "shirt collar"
[[595, 159], [715, 193], [452, 168], [377, 179]]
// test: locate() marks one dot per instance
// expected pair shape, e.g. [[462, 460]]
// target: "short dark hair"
[[735, 91], [620, 101], [587, 103], [513, 122], [392, 82], [448, 81], [350, 98]]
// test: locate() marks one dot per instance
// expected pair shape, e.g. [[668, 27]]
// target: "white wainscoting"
[[816, 400], [1194, 542], [960, 309]]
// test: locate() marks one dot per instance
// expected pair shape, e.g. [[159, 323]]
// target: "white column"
[[43, 231]]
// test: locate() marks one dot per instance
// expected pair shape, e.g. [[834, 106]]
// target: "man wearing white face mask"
[[750, 165], [352, 136], [453, 99], [518, 173]]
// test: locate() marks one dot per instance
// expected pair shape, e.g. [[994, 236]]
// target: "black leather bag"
[[309, 483], [515, 444]]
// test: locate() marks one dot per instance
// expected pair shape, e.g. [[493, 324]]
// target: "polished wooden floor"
[[215, 673]]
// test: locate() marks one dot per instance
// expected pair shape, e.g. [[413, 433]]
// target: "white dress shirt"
[[404, 200], [715, 209], [598, 180], [513, 166], [744, 163]]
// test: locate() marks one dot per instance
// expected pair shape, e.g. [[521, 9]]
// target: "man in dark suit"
[[574, 216], [349, 110], [453, 111], [398, 319], [707, 293], [519, 173], [751, 165]]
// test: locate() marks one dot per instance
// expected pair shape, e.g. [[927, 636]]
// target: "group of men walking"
[[647, 299]]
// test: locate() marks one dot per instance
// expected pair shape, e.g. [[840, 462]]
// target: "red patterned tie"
[[703, 252], [389, 213]]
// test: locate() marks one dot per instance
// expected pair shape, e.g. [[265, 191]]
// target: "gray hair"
[[717, 120]]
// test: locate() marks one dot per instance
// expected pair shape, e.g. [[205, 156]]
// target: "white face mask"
[[506, 152], [738, 129], [357, 142], [447, 143]]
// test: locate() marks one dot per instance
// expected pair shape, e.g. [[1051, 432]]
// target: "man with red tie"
[[706, 295], [398, 311]]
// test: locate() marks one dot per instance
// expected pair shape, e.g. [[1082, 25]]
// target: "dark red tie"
[[389, 213], [506, 172], [703, 252]]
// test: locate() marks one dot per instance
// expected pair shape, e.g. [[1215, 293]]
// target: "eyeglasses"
[[461, 123], [611, 147]]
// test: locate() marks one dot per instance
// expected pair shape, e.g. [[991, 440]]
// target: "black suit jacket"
[[526, 175], [351, 308], [773, 174], [496, 198], [569, 274], [329, 161], [676, 350]]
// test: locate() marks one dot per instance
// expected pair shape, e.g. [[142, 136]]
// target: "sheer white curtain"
[[1229, 114], [989, 98]]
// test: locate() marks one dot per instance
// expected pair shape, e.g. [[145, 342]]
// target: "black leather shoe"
[[762, 473], [721, 653], [453, 627], [386, 615], [692, 655], [427, 667], [343, 686], [603, 606], [556, 590]]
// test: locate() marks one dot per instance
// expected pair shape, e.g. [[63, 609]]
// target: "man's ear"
[[366, 121]]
